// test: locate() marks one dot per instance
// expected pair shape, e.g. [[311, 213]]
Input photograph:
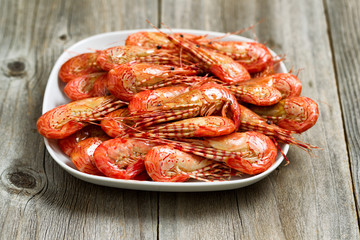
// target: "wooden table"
[[315, 197]]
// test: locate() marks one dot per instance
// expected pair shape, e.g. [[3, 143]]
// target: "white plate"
[[54, 97]]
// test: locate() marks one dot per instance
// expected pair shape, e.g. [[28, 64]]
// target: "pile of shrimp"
[[174, 107]]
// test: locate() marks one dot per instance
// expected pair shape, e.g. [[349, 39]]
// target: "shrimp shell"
[[296, 114], [167, 164], [83, 156], [65, 120], [204, 100], [86, 86], [113, 123], [67, 144], [125, 80], [78, 66], [122, 158], [209, 126]]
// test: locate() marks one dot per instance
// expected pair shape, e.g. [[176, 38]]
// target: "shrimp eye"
[[172, 68], [158, 105], [268, 122], [158, 47], [197, 45], [181, 35]]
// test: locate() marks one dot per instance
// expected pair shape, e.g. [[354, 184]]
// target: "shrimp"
[[125, 80], [113, 123], [204, 100], [248, 152], [67, 119], [112, 57], [244, 118], [297, 114], [288, 84], [86, 86], [83, 156], [148, 101], [258, 151], [167, 164], [78, 66], [122, 158], [222, 66], [257, 95], [154, 40], [254, 56], [209, 126], [250, 121], [67, 144]]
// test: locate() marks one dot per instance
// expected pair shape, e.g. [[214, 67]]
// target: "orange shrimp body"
[[209, 126], [122, 158], [154, 40], [149, 40], [222, 66], [258, 151], [288, 84], [83, 155], [78, 66], [148, 101], [65, 120], [112, 57], [205, 100], [250, 121], [86, 86], [254, 56], [67, 144], [297, 114], [114, 125], [167, 164], [248, 152], [125, 80], [257, 95]]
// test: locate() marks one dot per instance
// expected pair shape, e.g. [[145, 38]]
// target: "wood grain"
[[343, 17], [38, 199], [312, 197]]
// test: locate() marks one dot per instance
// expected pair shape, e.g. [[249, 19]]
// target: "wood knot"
[[63, 37], [22, 180], [16, 68]]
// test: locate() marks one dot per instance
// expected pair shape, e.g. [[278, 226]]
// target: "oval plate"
[[54, 96]]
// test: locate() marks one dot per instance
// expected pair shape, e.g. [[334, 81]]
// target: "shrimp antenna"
[[254, 34], [298, 71], [154, 26], [167, 27], [280, 150]]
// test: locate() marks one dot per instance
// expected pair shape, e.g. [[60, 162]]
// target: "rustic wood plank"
[[191, 215], [344, 20], [310, 198], [38, 199]]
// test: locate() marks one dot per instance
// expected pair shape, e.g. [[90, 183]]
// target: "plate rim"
[[150, 185]]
